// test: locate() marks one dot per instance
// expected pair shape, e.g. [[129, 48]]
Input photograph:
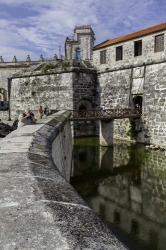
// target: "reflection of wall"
[[106, 158], [121, 155], [86, 159], [154, 186], [137, 199], [132, 223]]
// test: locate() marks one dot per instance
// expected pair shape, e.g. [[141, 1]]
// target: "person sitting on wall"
[[15, 124], [26, 119], [30, 118], [40, 112]]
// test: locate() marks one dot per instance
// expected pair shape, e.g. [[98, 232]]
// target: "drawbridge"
[[104, 114]]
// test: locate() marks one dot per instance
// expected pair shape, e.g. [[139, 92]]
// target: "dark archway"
[[137, 101], [82, 107]]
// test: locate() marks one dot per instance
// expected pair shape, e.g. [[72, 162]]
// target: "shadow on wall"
[[85, 97], [138, 129], [85, 128]]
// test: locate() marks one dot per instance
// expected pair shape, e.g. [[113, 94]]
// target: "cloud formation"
[[39, 27]]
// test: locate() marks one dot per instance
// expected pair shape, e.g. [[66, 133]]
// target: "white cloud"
[[55, 19]]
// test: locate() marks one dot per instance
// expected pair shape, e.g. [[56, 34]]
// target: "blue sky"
[[39, 26]]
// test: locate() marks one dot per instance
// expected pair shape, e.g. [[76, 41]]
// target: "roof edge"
[[131, 36]]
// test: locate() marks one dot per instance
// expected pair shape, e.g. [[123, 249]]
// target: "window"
[[78, 54], [119, 53], [103, 54], [159, 43], [138, 48]]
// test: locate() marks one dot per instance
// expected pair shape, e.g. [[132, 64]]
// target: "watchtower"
[[80, 46]]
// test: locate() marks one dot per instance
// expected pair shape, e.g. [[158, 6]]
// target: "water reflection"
[[126, 185]]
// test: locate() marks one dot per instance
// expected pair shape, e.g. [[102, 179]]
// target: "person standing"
[[40, 112], [46, 110], [21, 120]]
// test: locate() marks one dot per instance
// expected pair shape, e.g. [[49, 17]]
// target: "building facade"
[[132, 72]]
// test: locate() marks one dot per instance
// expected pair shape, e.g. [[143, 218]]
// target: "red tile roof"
[[131, 36]]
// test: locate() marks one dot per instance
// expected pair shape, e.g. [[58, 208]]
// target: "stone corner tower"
[[80, 46]]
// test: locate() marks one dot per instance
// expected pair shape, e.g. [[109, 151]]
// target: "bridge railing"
[[105, 114]]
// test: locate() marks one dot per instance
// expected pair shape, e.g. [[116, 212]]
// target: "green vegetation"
[[86, 141], [132, 130]]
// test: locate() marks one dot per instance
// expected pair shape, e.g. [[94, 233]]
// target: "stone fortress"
[[39, 208], [122, 73]]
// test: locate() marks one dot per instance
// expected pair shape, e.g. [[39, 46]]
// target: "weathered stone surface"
[[118, 88], [39, 209]]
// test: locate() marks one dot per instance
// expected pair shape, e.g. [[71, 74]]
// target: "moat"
[[126, 186]]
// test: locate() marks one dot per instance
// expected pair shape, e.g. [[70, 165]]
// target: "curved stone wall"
[[39, 209]]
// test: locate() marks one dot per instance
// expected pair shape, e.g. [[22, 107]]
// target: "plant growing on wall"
[[132, 132]]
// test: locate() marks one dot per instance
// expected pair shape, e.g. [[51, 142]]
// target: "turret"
[[14, 59], [81, 46], [28, 59]]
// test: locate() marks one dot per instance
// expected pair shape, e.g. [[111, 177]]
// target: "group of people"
[[28, 118]]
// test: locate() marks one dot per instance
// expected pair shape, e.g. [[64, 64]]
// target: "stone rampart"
[[120, 87], [39, 209]]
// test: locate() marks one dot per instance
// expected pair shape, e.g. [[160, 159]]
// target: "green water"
[[126, 186]]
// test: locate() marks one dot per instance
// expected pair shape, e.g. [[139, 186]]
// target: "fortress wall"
[[154, 115], [115, 93], [54, 90], [63, 90], [39, 209], [6, 71], [118, 87]]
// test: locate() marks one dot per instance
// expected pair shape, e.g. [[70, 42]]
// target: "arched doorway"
[[84, 105], [137, 101], [84, 127]]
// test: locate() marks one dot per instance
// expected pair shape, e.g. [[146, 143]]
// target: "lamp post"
[[9, 92]]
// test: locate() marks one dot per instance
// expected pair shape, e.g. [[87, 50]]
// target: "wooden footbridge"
[[104, 115]]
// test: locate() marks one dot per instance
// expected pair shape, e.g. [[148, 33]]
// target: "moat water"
[[126, 186]]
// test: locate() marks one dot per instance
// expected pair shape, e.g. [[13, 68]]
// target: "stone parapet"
[[39, 209]]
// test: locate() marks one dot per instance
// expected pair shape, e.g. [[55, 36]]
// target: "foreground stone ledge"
[[39, 209]]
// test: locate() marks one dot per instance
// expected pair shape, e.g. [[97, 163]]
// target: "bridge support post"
[[106, 133]]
